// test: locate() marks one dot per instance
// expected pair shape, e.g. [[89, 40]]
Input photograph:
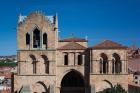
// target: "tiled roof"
[[107, 44], [72, 46], [73, 39]]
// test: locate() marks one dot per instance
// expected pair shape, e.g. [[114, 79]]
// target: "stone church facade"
[[49, 65]]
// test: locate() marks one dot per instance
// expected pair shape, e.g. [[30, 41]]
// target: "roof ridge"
[[72, 46], [108, 44]]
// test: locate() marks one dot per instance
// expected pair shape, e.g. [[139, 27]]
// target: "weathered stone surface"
[[51, 81]]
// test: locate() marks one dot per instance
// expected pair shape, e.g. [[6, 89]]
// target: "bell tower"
[[37, 39], [37, 32]]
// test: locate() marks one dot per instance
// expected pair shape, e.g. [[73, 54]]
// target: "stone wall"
[[31, 81], [99, 81], [109, 52]]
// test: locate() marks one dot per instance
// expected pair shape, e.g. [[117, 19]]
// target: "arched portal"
[[72, 82]]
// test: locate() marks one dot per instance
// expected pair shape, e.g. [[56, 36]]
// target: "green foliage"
[[10, 64], [116, 89]]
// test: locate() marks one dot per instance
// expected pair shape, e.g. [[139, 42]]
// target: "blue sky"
[[118, 20]]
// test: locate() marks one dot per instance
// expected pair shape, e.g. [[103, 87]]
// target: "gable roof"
[[72, 46], [107, 44], [73, 39]]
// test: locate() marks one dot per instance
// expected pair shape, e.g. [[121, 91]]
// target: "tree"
[[116, 89]]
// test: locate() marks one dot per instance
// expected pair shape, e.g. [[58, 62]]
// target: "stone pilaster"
[[71, 58], [110, 67], [83, 59], [76, 58]]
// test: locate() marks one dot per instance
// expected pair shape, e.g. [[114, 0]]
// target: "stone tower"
[[37, 41]]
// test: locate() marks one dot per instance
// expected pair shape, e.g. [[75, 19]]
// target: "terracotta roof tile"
[[72, 46], [107, 44], [73, 39]]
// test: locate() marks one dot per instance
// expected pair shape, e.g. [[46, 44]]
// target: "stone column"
[[76, 58], [102, 67], [92, 88], [57, 90], [83, 59], [110, 67], [98, 67], [51, 89], [114, 68], [71, 58], [124, 65], [91, 67]]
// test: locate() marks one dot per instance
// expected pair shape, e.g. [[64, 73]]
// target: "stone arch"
[[116, 63], [111, 85], [32, 57], [73, 82], [103, 63], [41, 85]]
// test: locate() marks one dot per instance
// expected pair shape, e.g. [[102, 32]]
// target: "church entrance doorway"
[[72, 82]]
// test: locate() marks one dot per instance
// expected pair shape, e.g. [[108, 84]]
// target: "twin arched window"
[[34, 62], [116, 64], [79, 59], [36, 39]]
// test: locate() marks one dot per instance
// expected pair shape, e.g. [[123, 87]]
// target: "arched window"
[[117, 64], [66, 59], [44, 38], [34, 61], [104, 62], [36, 38], [46, 62], [79, 59], [27, 38]]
